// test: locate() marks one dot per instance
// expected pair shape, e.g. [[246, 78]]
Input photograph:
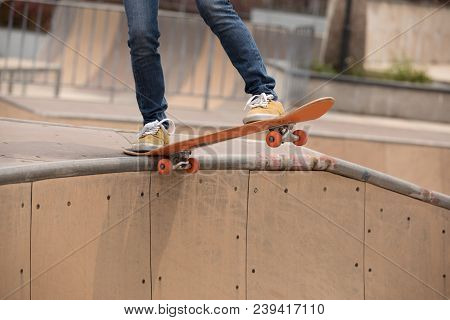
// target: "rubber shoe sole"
[[258, 117]]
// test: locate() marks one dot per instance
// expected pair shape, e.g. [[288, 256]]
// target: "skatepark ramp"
[[298, 226]]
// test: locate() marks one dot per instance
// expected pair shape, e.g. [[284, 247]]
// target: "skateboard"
[[178, 155]]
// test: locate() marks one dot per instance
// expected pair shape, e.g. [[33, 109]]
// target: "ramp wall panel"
[[305, 236], [15, 215], [91, 237], [408, 249], [199, 235]]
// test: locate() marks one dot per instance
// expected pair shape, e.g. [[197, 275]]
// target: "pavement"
[[25, 143]]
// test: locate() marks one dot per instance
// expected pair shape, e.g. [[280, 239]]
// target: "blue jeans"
[[143, 41]]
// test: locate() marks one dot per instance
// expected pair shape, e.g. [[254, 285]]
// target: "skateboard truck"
[[277, 136], [181, 161], [274, 139]]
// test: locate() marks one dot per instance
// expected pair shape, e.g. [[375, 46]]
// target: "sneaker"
[[263, 107], [154, 135]]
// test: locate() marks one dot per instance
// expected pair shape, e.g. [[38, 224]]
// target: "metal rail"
[[308, 161]]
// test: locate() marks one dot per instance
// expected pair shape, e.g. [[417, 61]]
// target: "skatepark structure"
[[88, 41], [78, 60], [78, 220]]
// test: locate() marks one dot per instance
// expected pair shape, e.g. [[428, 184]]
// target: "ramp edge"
[[308, 160]]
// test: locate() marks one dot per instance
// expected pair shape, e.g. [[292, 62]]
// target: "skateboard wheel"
[[164, 166], [302, 137], [274, 139], [194, 165]]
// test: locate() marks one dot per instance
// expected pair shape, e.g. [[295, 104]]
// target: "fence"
[[83, 46]]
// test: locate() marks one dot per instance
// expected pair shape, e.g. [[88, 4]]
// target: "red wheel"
[[302, 137], [164, 166], [274, 139], [195, 165]]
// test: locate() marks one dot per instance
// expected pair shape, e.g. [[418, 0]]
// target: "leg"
[[238, 44], [143, 41]]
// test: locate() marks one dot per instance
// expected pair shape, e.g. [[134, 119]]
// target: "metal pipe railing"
[[308, 161]]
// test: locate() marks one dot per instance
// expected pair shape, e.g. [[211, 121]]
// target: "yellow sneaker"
[[263, 107], [154, 135]]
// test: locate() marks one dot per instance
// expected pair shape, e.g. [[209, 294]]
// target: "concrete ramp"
[[284, 225]]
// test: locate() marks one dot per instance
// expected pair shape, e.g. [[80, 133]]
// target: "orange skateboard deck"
[[279, 133]]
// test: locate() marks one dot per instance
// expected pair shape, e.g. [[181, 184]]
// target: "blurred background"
[[386, 62]]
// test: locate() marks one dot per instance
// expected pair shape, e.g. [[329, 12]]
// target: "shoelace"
[[152, 128], [259, 101]]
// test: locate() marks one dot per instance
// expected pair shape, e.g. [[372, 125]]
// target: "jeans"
[[143, 41]]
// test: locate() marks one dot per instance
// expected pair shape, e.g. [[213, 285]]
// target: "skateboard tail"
[[311, 111]]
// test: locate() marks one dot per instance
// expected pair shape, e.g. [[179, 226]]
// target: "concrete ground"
[[127, 116]]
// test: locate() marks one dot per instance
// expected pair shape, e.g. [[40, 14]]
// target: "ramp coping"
[[309, 160]]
